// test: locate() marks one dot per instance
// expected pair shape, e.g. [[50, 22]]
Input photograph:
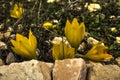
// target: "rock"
[[118, 40], [12, 36], [82, 47], [97, 71], [29, 70], [7, 34], [10, 29], [113, 29], [3, 45], [1, 35], [2, 26], [57, 40], [93, 7], [118, 60], [92, 41], [69, 69], [1, 62], [10, 58]]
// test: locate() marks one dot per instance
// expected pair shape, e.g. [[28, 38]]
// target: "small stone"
[[93, 7], [118, 40], [3, 45], [55, 21], [57, 40], [10, 58], [12, 36], [1, 62], [118, 60], [1, 26], [69, 69], [10, 29], [98, 71], [112, 16], [1, 35], [92, 41], [7, 34], [113, 29], [50, 1], [82, 47]]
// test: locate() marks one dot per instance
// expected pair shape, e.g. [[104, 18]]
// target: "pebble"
[[1, 62], [3, 45], [10, 58]]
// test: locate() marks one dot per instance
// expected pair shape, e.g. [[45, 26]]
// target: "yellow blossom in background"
[[62, 51], [74, 32], [25, 47], [47, 25], [17, 11], [98, 53]]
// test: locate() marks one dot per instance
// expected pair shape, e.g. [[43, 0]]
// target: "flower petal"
[[32, 42], [98, 53], [62, 51], [74, 32]]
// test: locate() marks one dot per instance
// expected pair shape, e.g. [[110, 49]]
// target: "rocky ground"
[[68, 69]]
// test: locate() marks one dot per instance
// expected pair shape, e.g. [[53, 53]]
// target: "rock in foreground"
[[69, 69], [98, 71], [29, 70]]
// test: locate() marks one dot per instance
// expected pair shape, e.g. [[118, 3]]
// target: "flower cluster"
[[74, 33]]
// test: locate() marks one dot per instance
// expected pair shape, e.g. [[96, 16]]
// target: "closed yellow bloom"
[[74, 32], [25, 47], [62, 51], [48, 25], [98, 53], [17, 11]]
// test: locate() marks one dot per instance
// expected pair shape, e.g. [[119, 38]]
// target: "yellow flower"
[[25, 47], [62, 51], [17, 11], [98, 53], [74, 32], [47, 25]]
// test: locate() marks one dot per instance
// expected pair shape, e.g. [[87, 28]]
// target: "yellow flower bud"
[[62, 51], [17, 11], [48, 25], [74, 32], [25, 47]]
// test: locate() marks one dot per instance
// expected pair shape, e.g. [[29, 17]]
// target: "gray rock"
[[10, 58], [29, 70], [69, 69], [97, 71]]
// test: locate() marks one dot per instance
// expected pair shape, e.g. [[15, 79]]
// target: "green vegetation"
[[102, 21]]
